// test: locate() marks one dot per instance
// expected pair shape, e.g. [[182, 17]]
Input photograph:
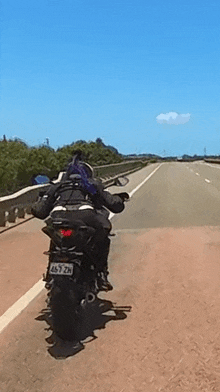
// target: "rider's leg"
[[103, 246], [102, 265]]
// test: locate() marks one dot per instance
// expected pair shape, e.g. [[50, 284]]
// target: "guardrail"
[[212, 160], [18, 205]]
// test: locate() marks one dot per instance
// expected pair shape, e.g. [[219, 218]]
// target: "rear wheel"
[[65, 313]]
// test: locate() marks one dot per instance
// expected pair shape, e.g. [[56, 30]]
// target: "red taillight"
[[66, 233]]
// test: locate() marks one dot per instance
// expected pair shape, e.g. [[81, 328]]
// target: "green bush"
[[19, 162]]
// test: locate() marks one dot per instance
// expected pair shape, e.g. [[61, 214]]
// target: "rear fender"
[[83, 235]]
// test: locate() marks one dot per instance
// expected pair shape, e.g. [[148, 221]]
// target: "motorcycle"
[[71, 278]]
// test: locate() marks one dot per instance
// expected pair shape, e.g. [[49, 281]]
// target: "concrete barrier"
[[214, 160]]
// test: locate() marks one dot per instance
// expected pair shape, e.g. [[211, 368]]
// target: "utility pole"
[[205, 151]]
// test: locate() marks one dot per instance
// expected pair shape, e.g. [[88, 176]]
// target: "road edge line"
[[20, 304], [145, 180], [139, 186]]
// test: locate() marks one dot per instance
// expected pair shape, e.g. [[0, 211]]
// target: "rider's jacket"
[[73, 193]]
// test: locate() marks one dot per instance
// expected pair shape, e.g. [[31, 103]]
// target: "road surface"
[[162, 332]]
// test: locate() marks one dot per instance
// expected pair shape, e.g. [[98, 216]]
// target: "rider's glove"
[[123, 195]]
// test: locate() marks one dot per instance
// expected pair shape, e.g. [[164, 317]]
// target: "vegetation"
[[19, 162]]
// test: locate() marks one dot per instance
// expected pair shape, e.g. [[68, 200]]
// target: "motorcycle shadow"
[[94, 317]]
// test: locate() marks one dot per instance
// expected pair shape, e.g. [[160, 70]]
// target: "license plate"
[[61, 269]]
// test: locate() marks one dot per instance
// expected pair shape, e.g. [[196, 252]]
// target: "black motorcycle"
[[71, 277]]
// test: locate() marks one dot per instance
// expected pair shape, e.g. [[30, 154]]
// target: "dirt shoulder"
[[22, 262]]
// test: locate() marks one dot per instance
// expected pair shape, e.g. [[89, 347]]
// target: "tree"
[[99, 141], [19, 163]]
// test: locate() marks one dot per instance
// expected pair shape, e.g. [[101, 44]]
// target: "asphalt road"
[[177, 195], [161, 332]]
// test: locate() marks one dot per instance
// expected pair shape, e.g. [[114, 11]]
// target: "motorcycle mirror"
[[40, 179], [121, 181]]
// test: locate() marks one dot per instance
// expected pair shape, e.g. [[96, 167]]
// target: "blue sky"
[[82, 69]]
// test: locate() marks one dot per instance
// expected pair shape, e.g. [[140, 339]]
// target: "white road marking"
[[207, 180], [143, 182], [139, 186], [197, 174], [20, 305], [215, 165], [24, 301]]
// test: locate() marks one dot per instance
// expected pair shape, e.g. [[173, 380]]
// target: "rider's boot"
[[102, 265], [103, 282]]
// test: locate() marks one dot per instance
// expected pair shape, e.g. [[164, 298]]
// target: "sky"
[[142, 75]]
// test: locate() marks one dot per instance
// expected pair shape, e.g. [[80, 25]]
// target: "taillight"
[[66, 232]]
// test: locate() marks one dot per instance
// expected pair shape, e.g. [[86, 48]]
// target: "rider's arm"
[[42, 207], [114, 202]]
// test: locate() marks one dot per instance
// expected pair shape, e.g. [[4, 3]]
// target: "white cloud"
[[173, 118]]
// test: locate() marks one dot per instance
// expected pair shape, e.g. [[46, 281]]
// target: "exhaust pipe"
[[90, 297]]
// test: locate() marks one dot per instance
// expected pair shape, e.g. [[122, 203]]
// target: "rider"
[[80, 196]]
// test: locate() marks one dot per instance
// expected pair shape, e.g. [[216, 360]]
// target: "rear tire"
[[65, 313]]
